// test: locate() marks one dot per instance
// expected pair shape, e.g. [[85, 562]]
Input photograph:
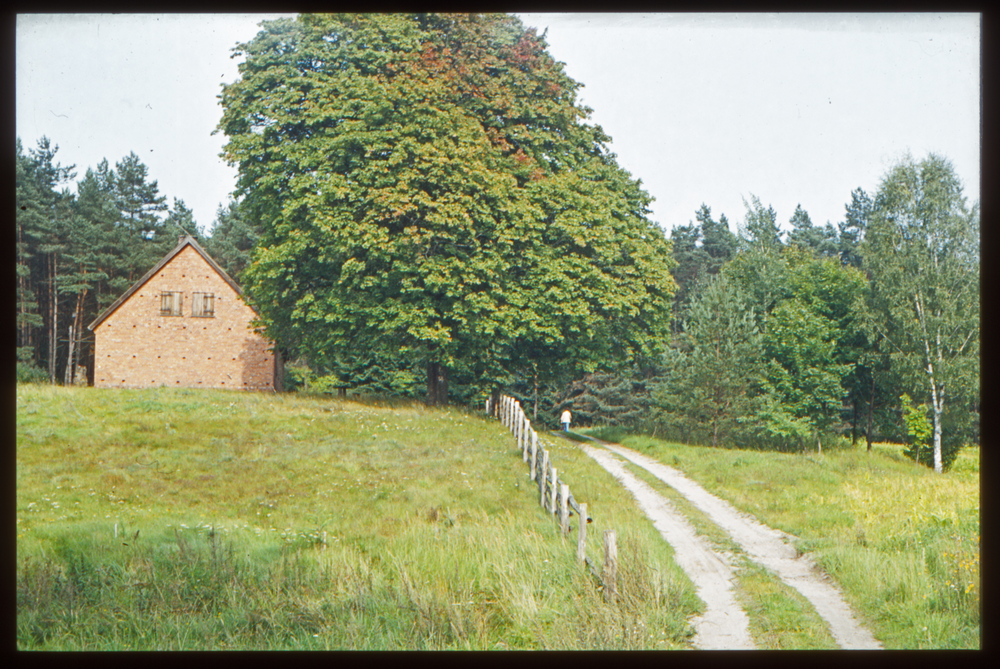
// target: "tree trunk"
[[937, 401], [871, 413], [854, 419], [437, 383], [24, 330], [74, 335], [68, 374], [495, 402], [53, 318]]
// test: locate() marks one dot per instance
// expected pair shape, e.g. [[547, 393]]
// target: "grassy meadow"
[[194, 519], [191, 519], [901, 541]]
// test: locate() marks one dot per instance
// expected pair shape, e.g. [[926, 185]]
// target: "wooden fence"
[[553, 494]]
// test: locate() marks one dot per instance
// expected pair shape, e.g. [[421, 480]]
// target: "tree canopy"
[[922, 252], [428, 185]]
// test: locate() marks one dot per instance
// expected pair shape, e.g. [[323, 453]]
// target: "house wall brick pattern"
[[136, 347]]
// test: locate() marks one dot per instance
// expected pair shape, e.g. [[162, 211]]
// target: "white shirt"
[[566, 416]]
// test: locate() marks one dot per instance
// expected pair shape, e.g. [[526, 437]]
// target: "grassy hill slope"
[[183, 519]]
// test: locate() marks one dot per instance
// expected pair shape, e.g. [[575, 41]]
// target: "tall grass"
[[183, 519], [900, 540]]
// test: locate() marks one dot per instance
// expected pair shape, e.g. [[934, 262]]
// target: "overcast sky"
[[702, 108]]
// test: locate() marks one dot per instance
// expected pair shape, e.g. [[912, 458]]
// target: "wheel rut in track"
[[724, 624]]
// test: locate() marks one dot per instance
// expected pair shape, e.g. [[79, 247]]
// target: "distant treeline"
[[869, 329], [864, 329]]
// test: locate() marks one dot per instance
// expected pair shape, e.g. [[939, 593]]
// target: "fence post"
[[610, 565], [541, 476], [520, 431], [524, 438], [517, 419], [563, 511], [553, 490], [581, 540], [534, 453]]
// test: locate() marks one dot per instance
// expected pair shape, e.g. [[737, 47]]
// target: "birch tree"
[[922, 254]]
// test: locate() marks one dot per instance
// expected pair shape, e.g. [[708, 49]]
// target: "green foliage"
[[805, 234], [918, 429], [805, 309], [922, 253], [605, 399], [712, 378], [852, 229], [427, 184], [233, 238], [759, 230], [699, 250], [27, 371]]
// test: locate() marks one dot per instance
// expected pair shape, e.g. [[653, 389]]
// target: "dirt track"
[[724, 624]]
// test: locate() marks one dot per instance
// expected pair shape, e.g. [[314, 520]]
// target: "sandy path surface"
[[763, 545], [724, 625]]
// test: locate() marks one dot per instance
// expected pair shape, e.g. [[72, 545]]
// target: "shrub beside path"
[[762, 544]]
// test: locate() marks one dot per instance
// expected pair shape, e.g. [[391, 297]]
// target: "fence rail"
[[554, 494]]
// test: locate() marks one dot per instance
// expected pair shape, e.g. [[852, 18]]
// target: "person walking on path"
[[566, 418]]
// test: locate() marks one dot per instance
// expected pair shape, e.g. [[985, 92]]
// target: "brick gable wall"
[[136, 347]]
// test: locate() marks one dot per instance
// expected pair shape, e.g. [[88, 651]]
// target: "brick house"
[[184, 324]]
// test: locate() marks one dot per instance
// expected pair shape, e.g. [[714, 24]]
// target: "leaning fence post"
[[563, 511], [534, 453], [553, 489], [524, 438], [520, 430], [541, 476], [581, 540], [610, 565]]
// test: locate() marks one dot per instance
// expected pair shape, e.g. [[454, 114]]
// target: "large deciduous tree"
[[429, 185], [921, 250]]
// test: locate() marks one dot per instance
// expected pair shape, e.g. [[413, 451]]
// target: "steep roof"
[[185, 240]]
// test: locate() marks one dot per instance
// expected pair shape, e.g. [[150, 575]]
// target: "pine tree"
[[712, 380], [233, 238], [852, 229], [42, 213], [819, 241]]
